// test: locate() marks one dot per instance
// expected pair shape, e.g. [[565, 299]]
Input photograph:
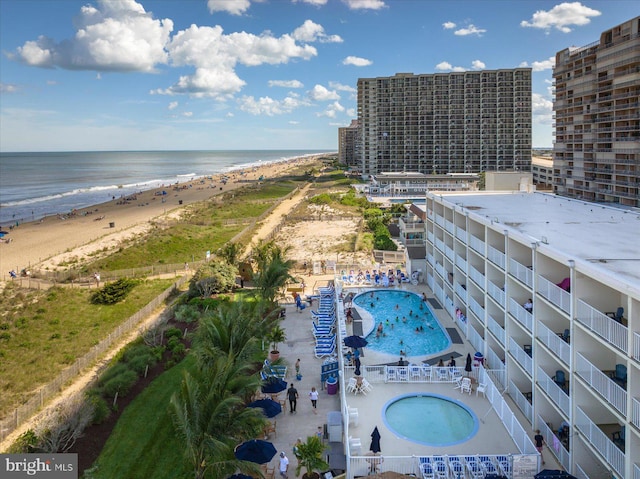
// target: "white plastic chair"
[[355, 446], [351, 385], [465, 386], [353, 415], [482, 388], [366, 386], [391, 373]]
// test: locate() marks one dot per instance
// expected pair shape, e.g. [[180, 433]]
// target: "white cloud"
[[364, 4], [188, 114], [448, 25], [270, 107], [352, 112], [8, 88], [312, 2], [173, 105], [313, 32], [539, 66], [286, 83], [478, 65], [116, 36], [444, 66], [320, 93], [341, 87], [541, 109], [215, 56], [233, 7], [52, 82], [356, 61], [562, 17], [332, 110], [470, 30]]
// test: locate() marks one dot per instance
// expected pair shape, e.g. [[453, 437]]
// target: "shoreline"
[[54, 239]]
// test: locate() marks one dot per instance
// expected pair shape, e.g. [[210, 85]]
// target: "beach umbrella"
[[355, 342], [467, 366], [255, 450], [269, 407], [375, 440], [240, 476], [273, 385]]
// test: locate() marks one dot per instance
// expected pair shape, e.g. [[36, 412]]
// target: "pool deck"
[[492, 437]]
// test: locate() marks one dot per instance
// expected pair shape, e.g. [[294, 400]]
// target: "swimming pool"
[[409, 328], [430, 419]]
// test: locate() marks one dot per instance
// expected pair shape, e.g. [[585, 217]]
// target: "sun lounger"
[[474, 467], [456, 467], [322, 351], [488, 465]]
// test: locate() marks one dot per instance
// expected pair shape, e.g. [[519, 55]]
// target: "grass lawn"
[[42, 332], [143, 443]]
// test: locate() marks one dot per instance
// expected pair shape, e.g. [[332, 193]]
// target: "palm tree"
[[273, 270], [230, 252], [310, 457]]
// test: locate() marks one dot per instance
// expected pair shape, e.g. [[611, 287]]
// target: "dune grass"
[[144, 444], [42, 332]]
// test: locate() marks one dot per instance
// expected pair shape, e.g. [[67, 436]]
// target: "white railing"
[[496, 293], [550, 438], [604, 326], [430, 280], [448, 225], [521, 401], [430, 237], [461, 263], [523, 316], [636, 471], [448, 251], [462, 293], [554, 342], [555, 392], [476, 276], [521, 357], [496, 256], [636, 346], [602, 383], [475, 338], [497, 330], [461, 234], [441, 271], [521, 272], [635, 412], [599, 440], [580, 474], [437, 291], [430, 259], [477, 309], [439, 220], [476, 244], [555, 294], [439, 244]]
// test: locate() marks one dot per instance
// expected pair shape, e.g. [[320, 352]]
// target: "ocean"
[[34, 185]]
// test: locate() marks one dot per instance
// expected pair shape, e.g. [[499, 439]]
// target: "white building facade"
[[571, 362]]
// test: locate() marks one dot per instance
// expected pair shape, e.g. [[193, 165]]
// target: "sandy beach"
[[46, 243]]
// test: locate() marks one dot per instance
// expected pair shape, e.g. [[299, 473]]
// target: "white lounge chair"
[[465, 386], [482, 388]]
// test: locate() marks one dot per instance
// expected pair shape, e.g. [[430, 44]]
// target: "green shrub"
[[321, 199], [112, 293], [173, 333], [187, 313], [134, 351], [112, 372], [100, 406], [139, 363], [26, 442], [178, 352], [121, 384]]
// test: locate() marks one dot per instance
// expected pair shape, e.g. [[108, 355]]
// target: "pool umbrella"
[[240, 476], [273, 385], [256, 450], [269, 407], [357, 364], [355, 342], [467, 366], [375, 441]]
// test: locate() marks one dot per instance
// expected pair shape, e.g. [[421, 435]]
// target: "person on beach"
[[284, 465], [313, 395], [292, 395]]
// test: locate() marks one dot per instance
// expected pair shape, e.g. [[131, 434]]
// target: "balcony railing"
[[604, 326], [523, 316], [497, 330], [561, 453], [477, 309], [600, 441], [496, 256], [439, 244], [476, 244], [461, 263], [521, 356], [636, 346], [476, 276], [496, 293], [461, 234], [448, 225], [555, 392], [439, 220], [441, 271], [521, 272], [602, 383], [635, 412], [554, 343], [475, 338], [555, 294], [448, 252], [461, 292], [522, 402]]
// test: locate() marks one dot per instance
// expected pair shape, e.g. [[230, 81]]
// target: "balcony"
[[601, 383], [521, 272], [461, 292], [602, 325], [521, 356], [523, 316], [461, 234], [496, 293], [557, 394], [521, 401], [561, 453], [555, 294], [476, 276], [600, 441], [476, 308], [496, 256], [461, 263], [497, 330], [411, 226], [554, 343], [476, 244]]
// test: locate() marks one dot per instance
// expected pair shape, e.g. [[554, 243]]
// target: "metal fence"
[[26, 411]]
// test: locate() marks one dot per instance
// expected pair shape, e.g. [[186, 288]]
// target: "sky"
[[255, 74]]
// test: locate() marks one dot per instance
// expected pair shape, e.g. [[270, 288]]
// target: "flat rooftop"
[[597, 237]]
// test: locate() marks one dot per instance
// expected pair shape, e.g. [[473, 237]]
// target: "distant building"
[[348, 145], [462, 122], [542, 172], [597, 144]]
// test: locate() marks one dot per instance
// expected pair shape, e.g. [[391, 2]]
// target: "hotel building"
[[548, 288], [597, 118], [463, 122]]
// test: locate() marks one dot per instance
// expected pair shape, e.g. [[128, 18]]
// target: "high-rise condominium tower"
[[445, 122], [597, 149]]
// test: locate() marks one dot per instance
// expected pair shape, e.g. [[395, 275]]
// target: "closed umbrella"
[[467, 366], [375, 441], [355, 342], [357, 365], [273, 385], [269, 407], [255, 450]]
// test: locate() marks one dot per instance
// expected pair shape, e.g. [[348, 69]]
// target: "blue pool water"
[[430, 419], [399, 337]]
